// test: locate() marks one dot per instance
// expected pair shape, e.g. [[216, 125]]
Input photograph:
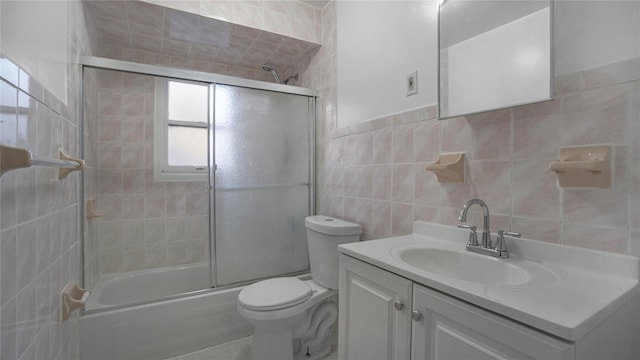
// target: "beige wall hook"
[[91, 210], [63, 172], [73, 297], [450, 168]]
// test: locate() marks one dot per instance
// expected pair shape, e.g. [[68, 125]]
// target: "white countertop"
[[570, 291]]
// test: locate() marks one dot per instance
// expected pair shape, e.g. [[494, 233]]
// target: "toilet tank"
[[324, 234]]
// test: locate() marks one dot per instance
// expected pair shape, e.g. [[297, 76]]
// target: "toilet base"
[[269, 344], [286, 334], [316, 352]]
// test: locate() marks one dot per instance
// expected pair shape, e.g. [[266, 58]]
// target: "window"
[[181, 130]]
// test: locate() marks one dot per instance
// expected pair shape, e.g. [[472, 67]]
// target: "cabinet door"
[[452, 329], [372, 326]]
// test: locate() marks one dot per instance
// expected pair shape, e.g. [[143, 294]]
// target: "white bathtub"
[[161, 329], [140, 286]]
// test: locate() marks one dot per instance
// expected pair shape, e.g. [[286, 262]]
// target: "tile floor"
[[240, 350]]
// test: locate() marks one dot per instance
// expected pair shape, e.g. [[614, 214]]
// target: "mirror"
[[493, 54]]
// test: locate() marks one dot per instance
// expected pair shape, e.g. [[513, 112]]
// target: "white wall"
[[35, 34], [379, 44], [589, 34]]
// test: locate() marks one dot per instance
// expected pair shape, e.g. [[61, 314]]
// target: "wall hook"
[[91, 211], [449, 168], [73, 297]]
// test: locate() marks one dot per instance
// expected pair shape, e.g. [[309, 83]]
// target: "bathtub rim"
[[106, 280], [302, 275]]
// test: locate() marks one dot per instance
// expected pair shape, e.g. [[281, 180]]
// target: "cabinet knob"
[[398, 305], [416, 315]]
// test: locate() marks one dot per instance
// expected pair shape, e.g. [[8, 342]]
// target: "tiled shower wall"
[[263, 22], [39, 227], [290, 18], [147, 224], [182, 62], [374, 173]]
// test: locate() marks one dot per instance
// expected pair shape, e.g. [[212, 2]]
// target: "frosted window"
[[181, 131], [188, 102], [187, 146]]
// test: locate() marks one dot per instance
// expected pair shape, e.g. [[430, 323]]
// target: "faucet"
[[486, 232], [485, 247]]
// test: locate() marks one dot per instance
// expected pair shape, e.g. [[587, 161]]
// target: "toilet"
[[293, 319]]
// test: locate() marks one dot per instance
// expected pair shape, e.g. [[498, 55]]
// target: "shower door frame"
[[92, 62]]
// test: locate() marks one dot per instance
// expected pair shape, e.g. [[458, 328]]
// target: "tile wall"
[[183, 62], [39, 226], [191, 39], [318, 71], [290, 18], [147, 224], [374, 173]]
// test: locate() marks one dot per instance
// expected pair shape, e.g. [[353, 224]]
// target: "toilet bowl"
[[293, 319]]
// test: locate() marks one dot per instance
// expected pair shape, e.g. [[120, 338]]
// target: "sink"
[[463, 266]]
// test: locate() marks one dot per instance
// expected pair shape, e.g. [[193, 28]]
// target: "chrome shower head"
[[267, 67]]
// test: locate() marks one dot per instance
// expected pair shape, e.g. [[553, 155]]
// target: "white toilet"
[[293, 319]]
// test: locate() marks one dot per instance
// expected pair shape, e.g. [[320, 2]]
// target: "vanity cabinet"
[[385, 316], [447, 328], [374, 321], [422, 296]]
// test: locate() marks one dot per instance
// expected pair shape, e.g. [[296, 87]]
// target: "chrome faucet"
[[485, 247], [486, 232]]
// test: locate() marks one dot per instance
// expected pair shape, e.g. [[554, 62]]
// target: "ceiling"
[[148, 27]]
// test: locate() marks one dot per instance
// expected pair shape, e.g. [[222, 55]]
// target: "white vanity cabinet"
[[374, 321], [384, 316], [422, 296], [446, 328]]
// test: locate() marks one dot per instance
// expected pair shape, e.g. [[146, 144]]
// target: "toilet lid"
[[274, 294]]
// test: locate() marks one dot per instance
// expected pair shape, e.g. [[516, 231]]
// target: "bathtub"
[[140, 286], [161, 329]]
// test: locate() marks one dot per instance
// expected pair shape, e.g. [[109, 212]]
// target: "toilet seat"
[[274, 294]]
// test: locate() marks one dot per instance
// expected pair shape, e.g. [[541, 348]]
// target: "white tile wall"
[[39, 227]]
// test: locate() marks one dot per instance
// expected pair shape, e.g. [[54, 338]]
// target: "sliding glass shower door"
[[196, 184], [262, 184]]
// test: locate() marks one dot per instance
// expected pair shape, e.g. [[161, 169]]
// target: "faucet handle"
[[501, 233], [501, 244], [473, 236]]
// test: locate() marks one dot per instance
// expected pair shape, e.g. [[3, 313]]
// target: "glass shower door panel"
[[262, 182], [264, 235], [155, 229]]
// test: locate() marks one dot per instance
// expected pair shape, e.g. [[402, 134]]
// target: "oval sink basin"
[[464, 266]]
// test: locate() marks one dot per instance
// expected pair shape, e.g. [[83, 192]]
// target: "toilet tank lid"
[[331, 226]]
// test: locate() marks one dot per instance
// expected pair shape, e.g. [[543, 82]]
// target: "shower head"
[[292, 77], [267, 67]]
